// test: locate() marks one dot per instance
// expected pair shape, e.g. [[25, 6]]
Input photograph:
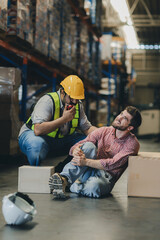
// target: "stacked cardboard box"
[[107, 86], [84, 62], [66, 39], [10, 79], [42, 27], [53, 30], [98, 13], [92, 54], [8, 14], [55, 8], [26, 19], [73, 45]]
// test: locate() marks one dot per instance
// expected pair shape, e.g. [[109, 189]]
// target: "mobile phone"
[[69, 107]]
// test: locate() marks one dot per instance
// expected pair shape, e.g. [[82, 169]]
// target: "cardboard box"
[[26, 19], [33, 179], [10, 76], [42, 23], [8, 14], [144, 175], [150, 116]]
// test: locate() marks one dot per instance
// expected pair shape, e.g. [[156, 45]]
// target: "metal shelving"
[[20, 54]]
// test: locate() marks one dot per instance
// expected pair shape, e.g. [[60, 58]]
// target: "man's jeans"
[[36, 148], [91, 182]]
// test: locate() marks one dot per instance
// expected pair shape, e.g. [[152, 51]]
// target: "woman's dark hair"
[[136, 116]]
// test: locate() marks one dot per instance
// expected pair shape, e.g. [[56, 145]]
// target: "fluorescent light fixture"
[[130, 36], [121, 7], [128, 30]]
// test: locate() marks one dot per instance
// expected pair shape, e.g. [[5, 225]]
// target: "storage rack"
[[16, 52]]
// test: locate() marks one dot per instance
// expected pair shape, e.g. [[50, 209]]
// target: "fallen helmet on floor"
[[18, 208]]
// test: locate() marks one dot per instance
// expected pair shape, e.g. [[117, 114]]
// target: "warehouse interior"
[[114, 47]]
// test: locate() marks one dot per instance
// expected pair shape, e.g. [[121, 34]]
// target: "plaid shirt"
[[111, 151]]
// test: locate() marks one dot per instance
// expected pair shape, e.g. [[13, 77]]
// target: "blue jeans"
[[91, 182], [36, 148]]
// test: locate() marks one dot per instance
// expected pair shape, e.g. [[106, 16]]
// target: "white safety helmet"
[[18, 208]]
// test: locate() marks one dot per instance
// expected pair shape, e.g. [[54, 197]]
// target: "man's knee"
[[36, 152], [89, 150]]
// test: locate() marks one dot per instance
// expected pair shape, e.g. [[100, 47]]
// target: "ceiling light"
[[121, 7], [128, 30]]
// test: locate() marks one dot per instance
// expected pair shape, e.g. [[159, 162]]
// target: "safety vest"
[[56, 102]]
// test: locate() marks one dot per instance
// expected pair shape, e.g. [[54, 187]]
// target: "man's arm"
[[115, 162], [102, 164], [47, 127], [91, 129], [79, 159], [83, 161], [92, 137], [84, 124]]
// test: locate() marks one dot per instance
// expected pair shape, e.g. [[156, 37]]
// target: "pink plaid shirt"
[[111, 151]]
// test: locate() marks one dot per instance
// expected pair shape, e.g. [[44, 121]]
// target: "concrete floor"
[[114, 218]]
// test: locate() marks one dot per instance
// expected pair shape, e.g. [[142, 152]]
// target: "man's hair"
[[136, 116]]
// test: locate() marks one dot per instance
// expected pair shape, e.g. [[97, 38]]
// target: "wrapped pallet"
[[73, 44], [84, 52], [10, 79], [26, 19], [67, 36], [42, 27], [8, 14], [55, 7]]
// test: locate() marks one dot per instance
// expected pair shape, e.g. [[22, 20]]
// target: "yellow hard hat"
[[73, 86]]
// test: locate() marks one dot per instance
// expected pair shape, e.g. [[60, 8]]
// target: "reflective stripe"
[[74, 123], [77, 111], [28, 123], [55, 97], [72, 130]]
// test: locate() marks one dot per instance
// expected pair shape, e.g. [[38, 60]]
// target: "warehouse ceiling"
[[145, 15], [146, 18]]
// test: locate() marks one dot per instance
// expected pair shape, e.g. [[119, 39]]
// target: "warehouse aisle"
[[114, 218]]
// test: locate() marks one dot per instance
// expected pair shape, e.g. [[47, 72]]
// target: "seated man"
[[100, 159]]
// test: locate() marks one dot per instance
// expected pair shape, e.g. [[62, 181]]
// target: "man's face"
[[67, 99], [122, 121]]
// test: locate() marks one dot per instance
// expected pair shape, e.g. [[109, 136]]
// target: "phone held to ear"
[[69, 107]]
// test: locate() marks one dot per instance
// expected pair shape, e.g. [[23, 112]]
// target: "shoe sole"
[[56, 186]]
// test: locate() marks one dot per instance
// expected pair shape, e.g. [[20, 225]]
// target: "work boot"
[[57, 185]]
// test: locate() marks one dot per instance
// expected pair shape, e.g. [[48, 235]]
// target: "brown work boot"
[[57, 185]]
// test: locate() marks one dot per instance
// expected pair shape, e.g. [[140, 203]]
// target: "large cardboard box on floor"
[[144, 175], [32, 179]]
